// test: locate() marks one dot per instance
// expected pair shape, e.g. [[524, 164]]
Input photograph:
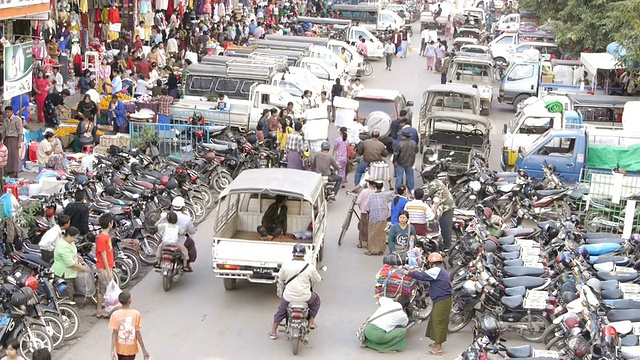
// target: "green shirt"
[[65, 255]]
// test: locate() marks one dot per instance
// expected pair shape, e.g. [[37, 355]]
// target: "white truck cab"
[[508, 22], [320, 69], [375, 47], [502, 47], [308, 77], [356, 61], [329, 57]]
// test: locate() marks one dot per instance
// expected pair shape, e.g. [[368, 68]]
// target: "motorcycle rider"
[[186, 229], [324, 162], [295, 279]]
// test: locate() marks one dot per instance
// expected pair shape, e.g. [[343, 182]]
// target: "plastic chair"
[[87, 149]]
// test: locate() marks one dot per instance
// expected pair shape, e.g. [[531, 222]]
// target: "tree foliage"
[[626, 14], [580, 24]]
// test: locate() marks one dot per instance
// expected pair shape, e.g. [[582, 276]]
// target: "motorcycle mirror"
[[472, 197], [279, 266], [451, 153]]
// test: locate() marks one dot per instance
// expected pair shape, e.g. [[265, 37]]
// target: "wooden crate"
[[108, 140], [100, 150]]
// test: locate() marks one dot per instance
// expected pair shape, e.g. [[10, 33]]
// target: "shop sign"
[[18, 69]]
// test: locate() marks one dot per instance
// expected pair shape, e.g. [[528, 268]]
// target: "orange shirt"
[[126, 322], [103, 243]]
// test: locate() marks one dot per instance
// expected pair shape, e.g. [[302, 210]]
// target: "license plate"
[[630, 288], [262, 271]]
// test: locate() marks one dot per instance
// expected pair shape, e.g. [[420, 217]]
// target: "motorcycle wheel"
[[368, 69], [70, 320], [122, 271], [220, 180], [504, 208], [167, 281], [550, 333], [190, 211], [557, 344], [466, 203], [200, 210], [34, 338], [134, 261], [460, 317], [207, 196], [148, 248], [452, 256], [295, 341], [592, 219], [537, 337], [54, 327]]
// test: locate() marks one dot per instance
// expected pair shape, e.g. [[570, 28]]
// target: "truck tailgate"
[[252, 253]]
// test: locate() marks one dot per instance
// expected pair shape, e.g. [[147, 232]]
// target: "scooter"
[[171, 266]]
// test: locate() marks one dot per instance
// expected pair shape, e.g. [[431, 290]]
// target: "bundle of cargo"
[[392, 283]]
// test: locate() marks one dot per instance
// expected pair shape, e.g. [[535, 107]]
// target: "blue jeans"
[[401, 171], [362, 167]]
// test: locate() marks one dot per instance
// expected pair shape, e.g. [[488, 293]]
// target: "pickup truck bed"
[[253, 235]]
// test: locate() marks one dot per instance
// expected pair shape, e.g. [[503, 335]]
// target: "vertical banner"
[[18, 68]]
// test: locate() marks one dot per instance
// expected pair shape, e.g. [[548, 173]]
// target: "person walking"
[[296, 147], [419, 212], [341, 153], [440, 50], [389, 53], [42, 86], [104, 261], [404, 156], [66, 262], [405, 43], [12, 133], [443, 201], [125, 324], [12, 351], [378, 209], [445, 68], [440, 293], [363, 225], [430, 53], [397, 204], [372, 150]]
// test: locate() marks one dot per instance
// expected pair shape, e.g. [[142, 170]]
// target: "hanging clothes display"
[[162, 4], [83, 6], [114, 23], [145, 6], [170, 9]]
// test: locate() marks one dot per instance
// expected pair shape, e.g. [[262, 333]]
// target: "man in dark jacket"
[[404, 156], [79, 213]]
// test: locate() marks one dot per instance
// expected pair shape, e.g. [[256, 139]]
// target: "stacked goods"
[[391, 283], [104, 102]]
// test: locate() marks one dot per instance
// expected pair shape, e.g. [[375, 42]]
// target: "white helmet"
[[177, 203]]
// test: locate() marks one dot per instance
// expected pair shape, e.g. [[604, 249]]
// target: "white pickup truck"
[[237, 251], [242, 114]]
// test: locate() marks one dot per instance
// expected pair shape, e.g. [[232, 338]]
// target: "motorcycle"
[[171, 266]]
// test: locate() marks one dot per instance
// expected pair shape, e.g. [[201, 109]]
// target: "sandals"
[[313, 327], [369, 253], [103, 316], [273, 336], [359, 246], [435, 352]]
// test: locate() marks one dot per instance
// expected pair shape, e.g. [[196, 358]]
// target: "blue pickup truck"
[[573, 150]]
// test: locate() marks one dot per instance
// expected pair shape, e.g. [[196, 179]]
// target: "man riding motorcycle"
[[187, 229], [295, 279]]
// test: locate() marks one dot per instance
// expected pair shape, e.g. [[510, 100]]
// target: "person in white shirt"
[[426, 37], [162, 57], [141, 32], [223, 103], [93, 93], [153, 74], [385, 329], [50, 238], [259, 31], [419, 212], [356, 87], [142, 86], [172, 46], [57, 77], [171, 233], [295, 279]]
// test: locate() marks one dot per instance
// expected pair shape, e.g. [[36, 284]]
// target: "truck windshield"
[[367, 106], [468, 73], [536, 144]]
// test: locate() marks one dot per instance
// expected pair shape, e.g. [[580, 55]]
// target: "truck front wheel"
[[229, 284], [520, 98]]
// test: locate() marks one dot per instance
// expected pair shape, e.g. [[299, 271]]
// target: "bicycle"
[[347, 220], [368, 68]]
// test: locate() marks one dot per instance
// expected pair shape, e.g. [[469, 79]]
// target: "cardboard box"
[[547, 79]]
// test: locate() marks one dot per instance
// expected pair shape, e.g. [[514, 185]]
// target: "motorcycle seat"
[[507, 240], [608, 204], [153, 174], [612, 294], [229, 144], [600, 249], [616, 259], [34, 259], [514, 291], [576, 194], [550, 192], [619, 276], [218, 148], [510, 255], [604, 240], [630, 352], [543, 224], [32, 247], [528, 282], [117, 201], [522, 351], [295, 305], [622, 304], [512, 271], [512, 302], [600, 236], [133, 189], [632, 315], [96, 209], [144, 184], [610, 285], [147, 179], [215, 129], [511, 248], [514, 262], [519, 231]]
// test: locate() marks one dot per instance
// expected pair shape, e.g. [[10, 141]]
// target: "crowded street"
[[198, 319]]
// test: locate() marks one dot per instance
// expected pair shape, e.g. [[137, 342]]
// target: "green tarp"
[[607, 157], [554, 106]]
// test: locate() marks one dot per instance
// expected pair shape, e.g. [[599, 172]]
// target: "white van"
[[320, 69], [329, 57], [375, 47], [356, 61]]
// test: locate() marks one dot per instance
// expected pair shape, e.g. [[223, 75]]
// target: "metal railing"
[[181, 115], [174, 140]]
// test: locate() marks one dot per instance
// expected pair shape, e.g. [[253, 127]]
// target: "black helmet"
[[299, 250], [111, 190], [489, 327], [82, 179], [428, 174], [171, 184], [68, 186], [252, 139]]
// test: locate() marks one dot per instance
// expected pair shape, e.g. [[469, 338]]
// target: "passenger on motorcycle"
[[187, 228], [324, 163], [440, 293], [171, 232], [295, 279]]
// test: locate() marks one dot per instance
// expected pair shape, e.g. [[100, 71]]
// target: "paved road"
[[199, 320]]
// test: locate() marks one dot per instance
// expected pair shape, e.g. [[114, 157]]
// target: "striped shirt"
[[378, 206], [295, 142], [4, 155], [419, 212]]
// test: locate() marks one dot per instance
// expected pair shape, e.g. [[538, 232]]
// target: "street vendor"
[[47, 156], [85, 134], [117, 115]]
